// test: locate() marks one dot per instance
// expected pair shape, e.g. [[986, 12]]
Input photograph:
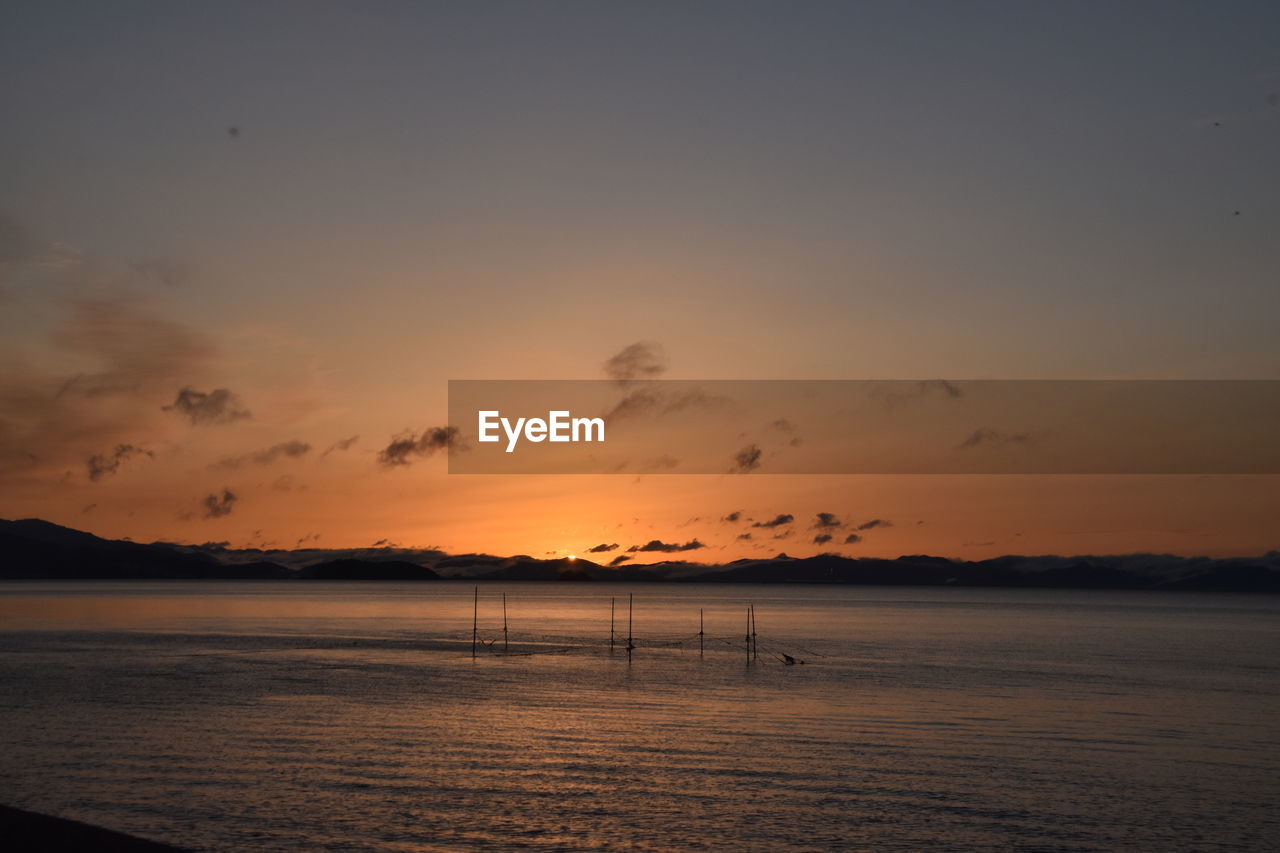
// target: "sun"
[[572, 557]]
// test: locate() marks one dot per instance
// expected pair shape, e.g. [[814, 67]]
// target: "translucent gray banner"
[[865, 427]]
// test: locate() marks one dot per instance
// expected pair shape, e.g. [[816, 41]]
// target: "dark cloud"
[[101, 465], [744, 537], [732, 517], [827, 520], [285, 450], [619, 560], [216, 407], [88, 509], [852, 539], [995, 438], [667, 547], [776, 521], [217, 507], [338, 446], [822, 539], [602, 548], [874, 523], [639, 361], [746, 459], [404, 447], [653, 402]]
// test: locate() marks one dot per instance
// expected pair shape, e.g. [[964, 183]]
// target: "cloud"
[[101, 465], [122, 360], [667, 547], [286, 483], [744, 537], [827, 520], [746, 459], [874, 523], [287, 449], [101, 374], [216, 407], [602, 548], [217, 507], [776, 521], [995, 438], [642, 360], [732, 517], [619, 560], [942, 386], [341, 445], [822, 539], [651, 402], [852, 539], [890, 394], [405, 446]]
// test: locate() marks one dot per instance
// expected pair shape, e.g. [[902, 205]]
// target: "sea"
[[442, 716]]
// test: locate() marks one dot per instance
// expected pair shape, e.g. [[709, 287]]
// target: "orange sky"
[[417, 194]]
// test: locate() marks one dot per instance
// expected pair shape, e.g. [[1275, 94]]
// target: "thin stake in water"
[[631, 603], [504, 621], [755, 643], [611, 603], [701, 633], [475, 615]]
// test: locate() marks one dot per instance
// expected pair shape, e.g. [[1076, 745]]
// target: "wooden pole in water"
[[631, 603], [701, 633], [747, 639], [612, 601], [475, 615], [755, 644], [504, 621]]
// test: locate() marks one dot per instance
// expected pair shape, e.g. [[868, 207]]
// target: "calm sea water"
[[258, 717]]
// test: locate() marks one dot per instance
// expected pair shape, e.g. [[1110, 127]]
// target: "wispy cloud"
[[285, 450], [340, 446], [639, 361], [405, 447], [213, 408], [100, 465], [988, 437]]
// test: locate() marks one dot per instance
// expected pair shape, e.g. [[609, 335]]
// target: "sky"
[[312, 215]]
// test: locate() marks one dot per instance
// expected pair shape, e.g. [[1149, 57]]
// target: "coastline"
[[31, 831]]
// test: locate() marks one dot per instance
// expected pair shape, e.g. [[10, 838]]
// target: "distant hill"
[[34, 549], [368, 570]]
